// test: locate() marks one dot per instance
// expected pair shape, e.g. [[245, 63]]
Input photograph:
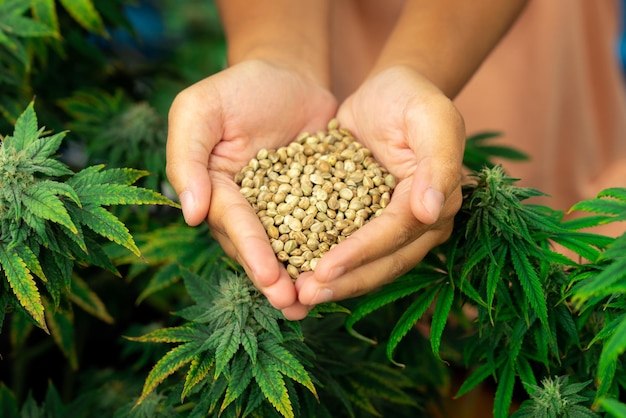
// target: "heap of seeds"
[[314, 193]]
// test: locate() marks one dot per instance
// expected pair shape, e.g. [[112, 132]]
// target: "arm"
[[403, 112], [294, 34], [274, 88], [447, 40]]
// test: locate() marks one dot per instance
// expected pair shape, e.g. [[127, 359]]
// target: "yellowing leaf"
[[198, 371], [272, 384], [169, 363], [23, 285]]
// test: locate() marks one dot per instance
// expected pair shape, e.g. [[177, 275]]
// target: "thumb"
[[427, 194], [438, 172], [190, 140]]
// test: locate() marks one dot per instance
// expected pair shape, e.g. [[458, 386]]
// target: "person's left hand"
[[415, 132]]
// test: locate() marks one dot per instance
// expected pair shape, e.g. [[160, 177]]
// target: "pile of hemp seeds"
[[314, 193]]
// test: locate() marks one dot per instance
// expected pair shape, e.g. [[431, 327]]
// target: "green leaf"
[[267, 317], [43, 203], [8, 403], [479, 375], [13, 7], [531, 285], [440, 316], [267, 375], [25, 130], [401, 287], [613, 407], [240, 378], [494, 276], [229, 342], [525, 372], [602, 284], [120, 194], [408, 319], [84, 12], [39, 149], [286, 363], [612, 349], [605, 206], [250, 344], [45, 12], [26, 27], [504, 391], [23, 285], [167, 365], [105, 224], [96, 175]]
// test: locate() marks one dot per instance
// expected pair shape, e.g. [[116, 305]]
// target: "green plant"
[[555, 398], [496, 302], [51, 220]]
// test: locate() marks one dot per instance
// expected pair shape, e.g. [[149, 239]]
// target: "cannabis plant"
[[119, 131], [555, 398], [238, 353], [243, 359], [52, 220], [500, 261]]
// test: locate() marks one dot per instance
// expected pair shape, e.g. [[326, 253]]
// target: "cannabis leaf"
[[479, 153], [236, 347], [52, 219]]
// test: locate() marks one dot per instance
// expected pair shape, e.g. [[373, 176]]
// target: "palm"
[[235, 113], [263, 107]]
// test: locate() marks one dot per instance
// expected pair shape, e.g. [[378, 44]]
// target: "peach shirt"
[[553, 87]]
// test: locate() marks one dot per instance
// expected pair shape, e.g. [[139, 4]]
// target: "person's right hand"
[[215, 127]]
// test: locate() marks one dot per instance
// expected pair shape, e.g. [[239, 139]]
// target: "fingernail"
[[187, 202], [433, 201], [322, 295]]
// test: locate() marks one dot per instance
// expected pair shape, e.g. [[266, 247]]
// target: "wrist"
[[288, 34], [313, 69]]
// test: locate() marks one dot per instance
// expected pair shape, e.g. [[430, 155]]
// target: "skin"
[[277, 85]]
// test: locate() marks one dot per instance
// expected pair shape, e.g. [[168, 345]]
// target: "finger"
[[368, 277], [242, 235], [296, 312], [439, 159], [194, 127]]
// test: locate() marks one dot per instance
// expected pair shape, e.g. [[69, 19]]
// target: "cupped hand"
[[215, 127], [414, 131]]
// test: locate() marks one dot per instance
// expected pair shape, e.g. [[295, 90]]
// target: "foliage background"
[[502, 311]]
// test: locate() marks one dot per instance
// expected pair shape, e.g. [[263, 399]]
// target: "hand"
[[415, 132], [215, 127]]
